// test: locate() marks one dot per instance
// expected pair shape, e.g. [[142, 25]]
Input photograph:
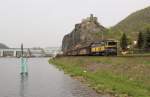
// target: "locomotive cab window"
[[112, 43]]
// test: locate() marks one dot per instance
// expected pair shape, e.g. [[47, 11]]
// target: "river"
[[43, 80]]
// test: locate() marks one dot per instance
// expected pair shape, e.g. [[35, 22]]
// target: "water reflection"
[[23, 85]]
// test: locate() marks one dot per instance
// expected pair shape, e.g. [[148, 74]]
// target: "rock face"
[[87, 31]]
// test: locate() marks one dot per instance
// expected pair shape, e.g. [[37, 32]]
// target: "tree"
[[140, 41], [147, 39], [124, 42]]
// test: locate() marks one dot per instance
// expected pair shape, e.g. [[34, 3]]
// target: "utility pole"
[[21, 50], [102, 35]]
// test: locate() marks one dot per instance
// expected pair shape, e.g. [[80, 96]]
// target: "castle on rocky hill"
[[87, 31]]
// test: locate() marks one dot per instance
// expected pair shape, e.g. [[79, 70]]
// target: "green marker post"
[[24, 66]]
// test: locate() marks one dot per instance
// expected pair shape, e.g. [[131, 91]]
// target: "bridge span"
[[29, 52], [13, 52]]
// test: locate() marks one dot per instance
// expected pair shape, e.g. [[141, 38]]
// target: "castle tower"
[[91, 17]]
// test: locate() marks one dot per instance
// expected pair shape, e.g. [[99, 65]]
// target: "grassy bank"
[[119, 76]]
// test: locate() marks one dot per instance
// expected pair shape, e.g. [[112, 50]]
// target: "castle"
[[90, 19]]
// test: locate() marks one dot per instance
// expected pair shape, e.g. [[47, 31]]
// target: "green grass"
[[116, 75]]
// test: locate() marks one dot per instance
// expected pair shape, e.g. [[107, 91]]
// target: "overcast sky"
[[44, 22]]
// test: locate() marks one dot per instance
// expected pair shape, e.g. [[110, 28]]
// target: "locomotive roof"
[[104, 41]]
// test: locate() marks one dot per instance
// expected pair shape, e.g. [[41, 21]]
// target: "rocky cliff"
[[87, 31]]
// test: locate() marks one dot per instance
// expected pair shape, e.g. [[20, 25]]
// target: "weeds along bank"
[[119, 76]]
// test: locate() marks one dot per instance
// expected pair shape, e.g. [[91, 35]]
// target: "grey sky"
[[44, 22]]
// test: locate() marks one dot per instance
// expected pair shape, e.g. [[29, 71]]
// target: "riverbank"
[[118, 76]]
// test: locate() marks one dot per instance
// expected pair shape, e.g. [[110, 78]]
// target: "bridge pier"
[[15, 53], [2, 52]]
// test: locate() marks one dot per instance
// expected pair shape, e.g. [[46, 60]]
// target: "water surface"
[[43, 80]]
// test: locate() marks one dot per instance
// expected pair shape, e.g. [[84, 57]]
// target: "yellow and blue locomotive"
[[105, 47]]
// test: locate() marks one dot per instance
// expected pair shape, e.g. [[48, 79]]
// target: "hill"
[[133, 23], [3, 46]]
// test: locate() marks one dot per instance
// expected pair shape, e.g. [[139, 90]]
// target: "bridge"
[[30, 52], [13, 52]]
